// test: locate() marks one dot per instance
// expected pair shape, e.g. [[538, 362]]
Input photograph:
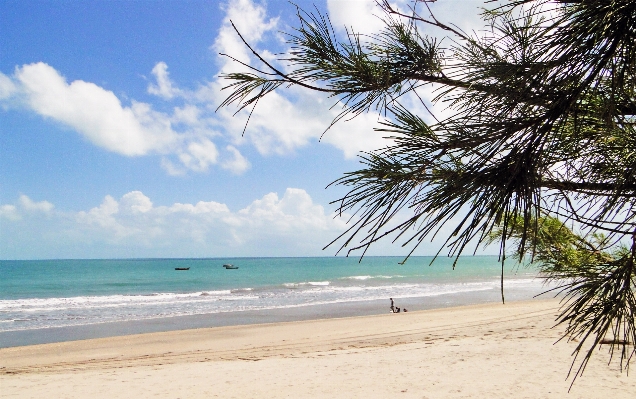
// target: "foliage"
[[597, 280], [543, 110], [557, 250]]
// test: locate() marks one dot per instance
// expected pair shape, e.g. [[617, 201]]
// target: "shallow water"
[[40, 295]]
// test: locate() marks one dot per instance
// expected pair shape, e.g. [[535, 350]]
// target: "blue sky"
[[110, 145]]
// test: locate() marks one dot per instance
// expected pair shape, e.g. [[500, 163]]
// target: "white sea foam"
[[257, 285], [357, 278], [369, 277], [20, 314], [241, 290], [306, 283]]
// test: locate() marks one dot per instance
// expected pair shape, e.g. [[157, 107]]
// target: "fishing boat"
[[230, 266], [181, 268]]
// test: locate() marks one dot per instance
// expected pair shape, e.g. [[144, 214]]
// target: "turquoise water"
[[63, 293]]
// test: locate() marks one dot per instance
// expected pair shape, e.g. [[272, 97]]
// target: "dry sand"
[[482, 351]]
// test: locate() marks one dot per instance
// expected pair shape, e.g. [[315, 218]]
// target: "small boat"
[[181, 268], [230, 266]]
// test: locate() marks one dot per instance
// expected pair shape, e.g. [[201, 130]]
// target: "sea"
[[44, 301]]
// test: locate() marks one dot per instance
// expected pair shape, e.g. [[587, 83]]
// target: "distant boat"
[[230, 266], [181, 268]]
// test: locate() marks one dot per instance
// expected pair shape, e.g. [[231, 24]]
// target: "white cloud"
[[292, 213], [271, 225], [361, 16], [135, 202], [351, 137], [31, 206], [364, 16], [171, 168], [9, 212], [103, 217], [99, 116], [95, 113], [26, 208], [164, 87], [199, 155], [193, 137], [7, 87], [286, 119], [290, 118], [210, 207], [188, 114], [279, 125], [235, 162], [291, 225], [251, 20], [464, 14]]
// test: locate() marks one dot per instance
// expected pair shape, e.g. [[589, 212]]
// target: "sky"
[[111, 144]]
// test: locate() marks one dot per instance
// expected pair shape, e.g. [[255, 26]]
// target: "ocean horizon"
[[57, 300]]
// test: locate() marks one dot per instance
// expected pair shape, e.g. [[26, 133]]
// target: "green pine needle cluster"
[[541, 134]]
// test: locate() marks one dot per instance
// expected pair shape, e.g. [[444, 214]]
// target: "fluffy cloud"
[[460, 13], [361, 16], [236, 163], [31, 206], [199, 155], [294, 212], [7, 87], [193, 137], [164, 87], [133, 226], [352, 138], [251, 20], [208, 222], [292, 118], [94, 112], [25, 207], [9, 212], [284, 120], [100, 117]]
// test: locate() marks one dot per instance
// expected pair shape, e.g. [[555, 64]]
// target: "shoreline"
[[39, 336], [486, 350]]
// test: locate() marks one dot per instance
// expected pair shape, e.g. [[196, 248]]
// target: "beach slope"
[[481, 351]]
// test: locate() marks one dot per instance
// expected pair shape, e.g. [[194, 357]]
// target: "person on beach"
[[392, 306]]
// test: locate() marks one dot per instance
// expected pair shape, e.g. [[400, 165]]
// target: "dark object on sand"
[[181, 268], [230, 266]]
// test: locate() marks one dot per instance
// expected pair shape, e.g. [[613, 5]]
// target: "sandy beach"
[[480, 351]]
